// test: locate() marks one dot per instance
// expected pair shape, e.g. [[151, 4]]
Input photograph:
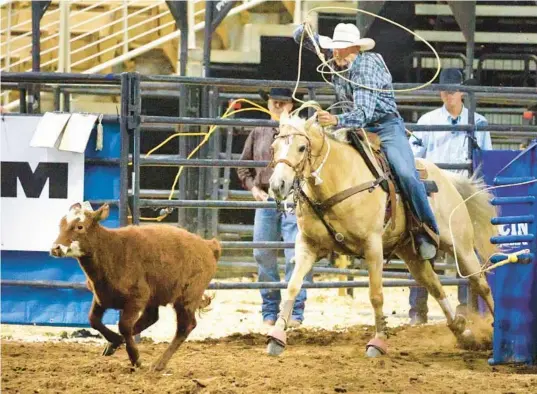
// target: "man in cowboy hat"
[[373, 107], [445, 147], [269, 224]]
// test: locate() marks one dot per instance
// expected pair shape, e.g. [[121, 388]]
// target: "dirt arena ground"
[[226, 354]]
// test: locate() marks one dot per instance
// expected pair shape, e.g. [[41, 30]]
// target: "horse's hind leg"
[[305, 257], [469, 264], [424, 274], [373, 254]]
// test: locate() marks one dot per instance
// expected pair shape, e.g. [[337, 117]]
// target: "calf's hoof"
[[376, 348], [111, 348]]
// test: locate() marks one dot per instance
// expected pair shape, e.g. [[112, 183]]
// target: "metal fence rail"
[[244, 285], [132, 122]]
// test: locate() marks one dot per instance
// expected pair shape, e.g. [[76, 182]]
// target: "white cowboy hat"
[[346, 35]]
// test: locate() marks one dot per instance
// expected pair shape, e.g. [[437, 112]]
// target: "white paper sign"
[[38, 186], [49, 129], [76, 135]]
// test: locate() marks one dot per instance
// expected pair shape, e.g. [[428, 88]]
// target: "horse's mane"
[[299, 123]]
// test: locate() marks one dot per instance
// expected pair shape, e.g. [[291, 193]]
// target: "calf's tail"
[[215, 246]]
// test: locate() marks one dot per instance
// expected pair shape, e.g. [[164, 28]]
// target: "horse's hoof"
[[375, 348], [458, 324], [467, 340], [110, 348], [275, 347], [277, 339]]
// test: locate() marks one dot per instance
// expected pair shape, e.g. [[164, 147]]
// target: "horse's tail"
[[481, 211]]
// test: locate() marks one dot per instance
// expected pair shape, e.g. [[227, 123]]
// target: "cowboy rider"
[[376, 111]]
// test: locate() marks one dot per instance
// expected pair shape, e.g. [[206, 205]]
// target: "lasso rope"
[[510, 257], [326, 63], [308, 30]]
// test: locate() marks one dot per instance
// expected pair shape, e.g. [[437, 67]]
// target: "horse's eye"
[[302, 148], [79, 227]]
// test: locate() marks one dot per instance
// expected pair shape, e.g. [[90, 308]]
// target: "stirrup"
[[426, 249]]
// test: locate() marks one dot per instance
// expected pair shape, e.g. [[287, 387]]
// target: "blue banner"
[[62, 307], [514, 286]]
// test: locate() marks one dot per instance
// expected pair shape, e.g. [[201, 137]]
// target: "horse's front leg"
[[305, 257], [374, 257]]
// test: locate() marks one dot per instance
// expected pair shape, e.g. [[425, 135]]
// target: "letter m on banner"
[[38, 186], [33, 182]]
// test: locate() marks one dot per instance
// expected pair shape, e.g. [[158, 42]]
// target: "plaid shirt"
[[368, 69]]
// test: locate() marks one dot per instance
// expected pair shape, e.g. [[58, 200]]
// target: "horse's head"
[[292, 152]]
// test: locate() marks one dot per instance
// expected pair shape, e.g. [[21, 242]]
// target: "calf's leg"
[[186, 322], [129, 316], [115, 340], [148, 318]]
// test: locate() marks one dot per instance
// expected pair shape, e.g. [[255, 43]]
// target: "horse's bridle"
[[298, 168]]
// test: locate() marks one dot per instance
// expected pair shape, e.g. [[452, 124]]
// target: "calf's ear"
[[101, 213], [75, 206]]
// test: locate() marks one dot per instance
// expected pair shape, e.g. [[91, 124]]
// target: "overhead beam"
[[178, 10], [513, 11], [464, 13], [38, 10], [364, 21]]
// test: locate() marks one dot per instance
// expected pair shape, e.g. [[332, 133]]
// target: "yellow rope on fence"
[[206, 138]]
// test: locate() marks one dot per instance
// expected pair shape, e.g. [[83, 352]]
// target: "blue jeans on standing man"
[[271, 225], [418, 301], [419, 295]]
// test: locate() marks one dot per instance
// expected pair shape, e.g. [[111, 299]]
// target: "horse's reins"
[[298, 168], [321, 208]]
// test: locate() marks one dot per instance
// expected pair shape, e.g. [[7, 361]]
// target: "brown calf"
[[136, 269]]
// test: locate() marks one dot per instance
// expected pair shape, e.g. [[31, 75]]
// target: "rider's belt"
[[382, 120]]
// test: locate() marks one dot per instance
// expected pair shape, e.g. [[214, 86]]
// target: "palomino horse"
[[318, 166]]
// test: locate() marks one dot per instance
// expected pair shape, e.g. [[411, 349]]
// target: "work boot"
[[426, 249], [294, 323], [418, 320]]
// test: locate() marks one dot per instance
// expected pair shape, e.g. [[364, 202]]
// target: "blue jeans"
[[418, 300], [271, 225], [418, 297], [401, 159]]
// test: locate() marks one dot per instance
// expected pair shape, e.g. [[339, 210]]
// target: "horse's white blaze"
[[285, 151], [283, 155]]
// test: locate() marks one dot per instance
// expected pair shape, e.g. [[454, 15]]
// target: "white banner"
[[38, 186]]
